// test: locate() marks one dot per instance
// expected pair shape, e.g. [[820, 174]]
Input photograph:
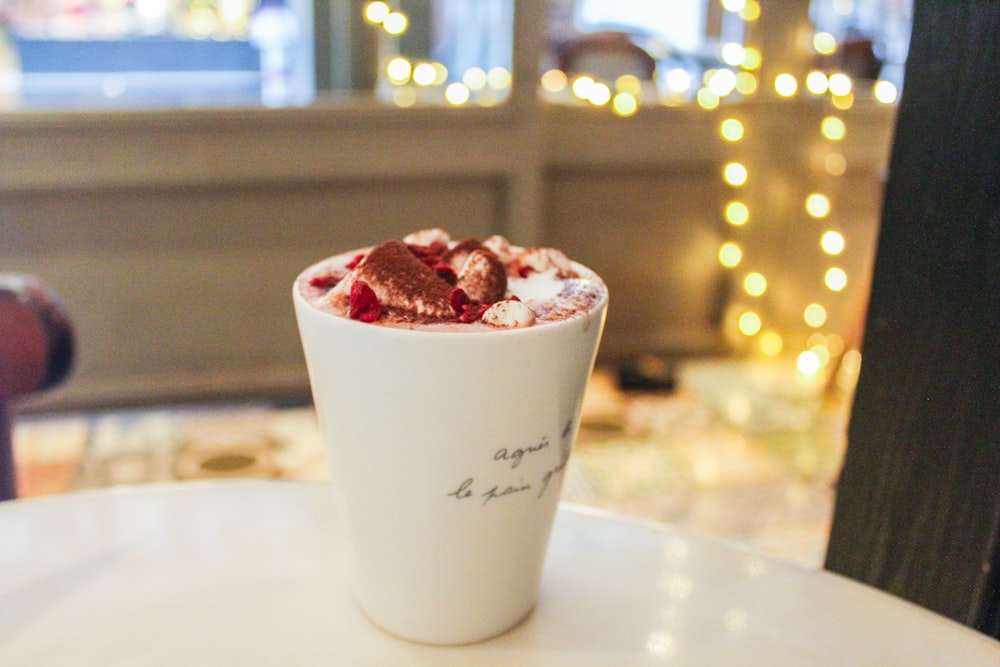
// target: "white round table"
[[252, 573]]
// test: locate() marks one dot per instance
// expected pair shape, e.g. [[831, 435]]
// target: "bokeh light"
[[735, 174], [731, 129], [737, 213], [818, 205], [835, 279], [730, 254], [814, 315]]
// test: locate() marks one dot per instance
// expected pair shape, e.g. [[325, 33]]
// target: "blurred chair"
[[36, 353], [918, 500], [605, 55]]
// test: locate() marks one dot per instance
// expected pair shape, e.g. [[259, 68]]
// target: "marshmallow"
[[509, 314]]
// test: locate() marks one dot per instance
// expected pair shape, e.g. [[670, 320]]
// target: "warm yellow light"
[[722, 82], [751, 58], [840, 84], [818, 205], [833, 128], [737, 213], [733, 53], [599, 95], [822, 354], [625, 104], [678, 80], [835, 279], [457, 94], [751, 12], [817, 83], [731, 129], [583, 86], [398, 70], [754, 284], [424, 74], [771, 343], [842, 102], [395, 23], [807, 363], [851, 361], [375, 12], [498, 78], [885, 92], [835, 164], [746, 83], [824, 43], [785, 84], [733, 5], [554, 81], [735, 174], [707, 99], [832, 242], [474, 78], [404, 97], [749, 323], [730, 254], [629, 83], [814, 315]]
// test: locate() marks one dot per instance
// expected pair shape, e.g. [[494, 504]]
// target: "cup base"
[[445, 638]]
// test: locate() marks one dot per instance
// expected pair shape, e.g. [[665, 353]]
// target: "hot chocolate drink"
[[429, 281], [447, 515]]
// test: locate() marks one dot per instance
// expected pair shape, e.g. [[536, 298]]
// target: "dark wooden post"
[[918, 501]]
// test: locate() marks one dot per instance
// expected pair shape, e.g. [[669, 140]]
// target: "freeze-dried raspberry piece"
[[459, 299], [356, 260], [472, 312], [364, 303], [465, 308], [324, 281], [445, 272]]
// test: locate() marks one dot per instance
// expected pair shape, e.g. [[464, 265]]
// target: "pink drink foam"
[[413, 284]]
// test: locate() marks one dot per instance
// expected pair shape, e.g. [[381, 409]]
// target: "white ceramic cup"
[[447, 452]]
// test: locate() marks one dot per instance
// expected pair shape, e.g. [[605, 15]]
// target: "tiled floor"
[[736, 451]]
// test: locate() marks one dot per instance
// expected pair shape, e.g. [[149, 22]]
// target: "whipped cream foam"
[[428, 280]]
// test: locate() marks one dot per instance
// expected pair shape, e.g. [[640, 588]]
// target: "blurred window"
[[72, 54]]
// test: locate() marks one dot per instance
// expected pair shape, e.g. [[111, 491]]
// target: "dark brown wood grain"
[[918, 500]]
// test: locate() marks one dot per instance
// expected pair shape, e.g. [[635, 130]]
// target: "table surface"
[[253, 573]]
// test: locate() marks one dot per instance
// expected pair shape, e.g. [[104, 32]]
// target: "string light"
[[818, 205], [731, 129], [832, 242], [735, 174], [625, 104], [817, 83], [395, 23], [737, 213], [749, 323], [474, 78], [755, 284], [840, 84], [730, 255], [824, 43], [457, 93], [554, 80], [835, 164], [814, 315], [835, 278], [885, 92], [375, 12], [398, 71], [785, 85], [833, 128]]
